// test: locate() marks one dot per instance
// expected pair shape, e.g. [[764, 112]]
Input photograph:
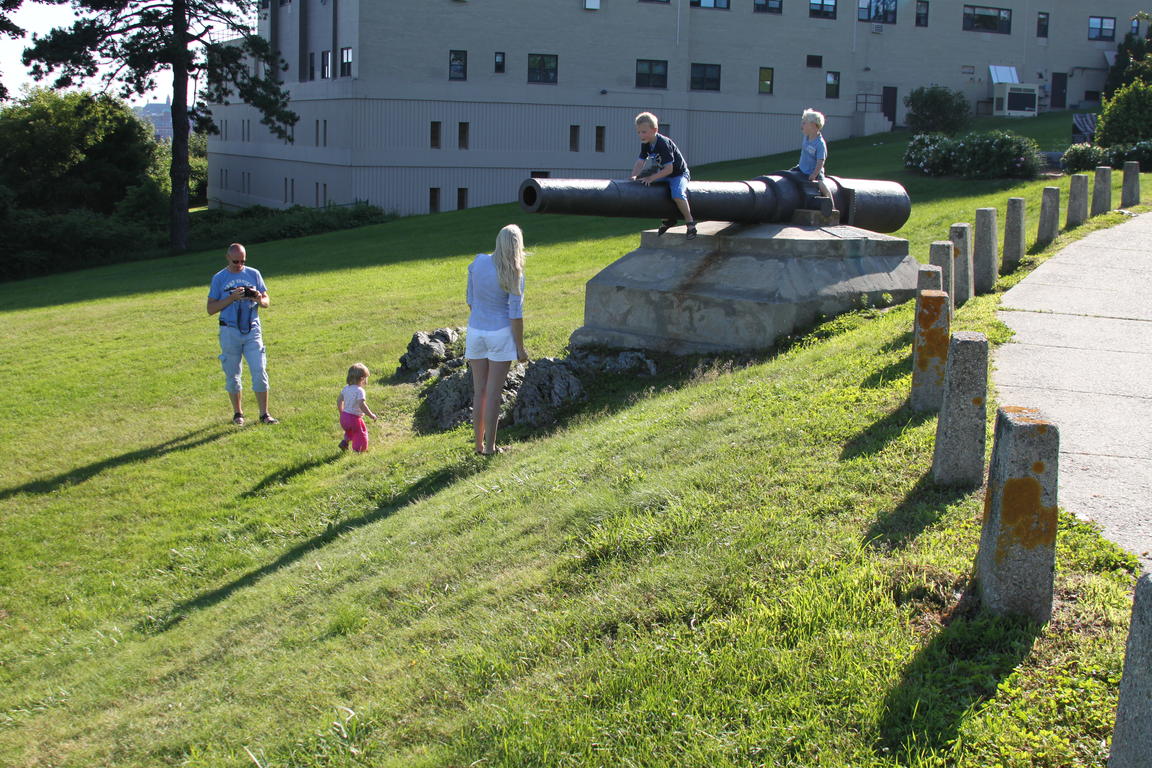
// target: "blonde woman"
[[495, 329]]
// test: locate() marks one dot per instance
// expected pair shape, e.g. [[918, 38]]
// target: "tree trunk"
[[179, 172]]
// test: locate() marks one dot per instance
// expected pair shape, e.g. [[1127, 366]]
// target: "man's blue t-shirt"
[[243, 314], [664, 151], [811, 152]]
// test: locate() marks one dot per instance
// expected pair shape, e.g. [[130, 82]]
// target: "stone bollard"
[[1049, 216], [1130, 192], [929, 278], [1014, 246], [1132, 738], [1017, 556], [961, 237], [929, 350], [1102, 191], [1077, 200], [985, 252], [958, 458], [940, 255]]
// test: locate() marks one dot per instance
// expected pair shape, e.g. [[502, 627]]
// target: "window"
[[434, 134], [767, 6], [651, 1], [709, 3], [461, 198], [705, 77], [540, 174], [599, 138], [876, 11], [921, 13], [345, 62], [498, 63], [816, 62], [223, 178], [325, 65], [573, 138], [245, 182], [457, 65], [981, 18], [822, 9], [1135, 28], [321, 133], [767, 77], [832, 85], [462, 136], [1093, 96], [651, 73], [542, 67], [1101, 27], [434, 200], [312, 66], [591, 5], [1042, 25]]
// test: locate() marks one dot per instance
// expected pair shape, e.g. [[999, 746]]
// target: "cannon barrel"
[[881, 206]]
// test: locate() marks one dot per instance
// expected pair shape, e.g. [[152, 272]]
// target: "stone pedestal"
[[929, 350], [1049, 216], [1014, 235], [958, 456], [1102, 191], [1132, 738], [739, 287], [985, 252], [1017, 559], [929, 278], [961, 237], [1077, 200], [1130, 192], [940, 254]]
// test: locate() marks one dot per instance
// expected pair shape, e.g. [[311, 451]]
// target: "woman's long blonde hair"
[[509, 258]]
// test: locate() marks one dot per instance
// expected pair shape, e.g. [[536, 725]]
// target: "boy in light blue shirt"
[[813, 150]]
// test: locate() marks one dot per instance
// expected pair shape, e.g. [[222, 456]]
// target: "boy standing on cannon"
[[660, 161]]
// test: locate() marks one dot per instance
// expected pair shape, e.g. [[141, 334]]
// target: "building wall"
[[367, 135]]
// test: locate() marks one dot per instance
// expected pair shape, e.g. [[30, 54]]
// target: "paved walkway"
[[1082, 354]]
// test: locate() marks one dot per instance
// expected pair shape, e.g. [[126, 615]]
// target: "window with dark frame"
[[1135, 28], [767, 6], [832, 85], [543, 67], [655, 1], [708, 3], [651, 73], [434, 134], [814, 61], [821, 9], [573, 138], [345, 62], [1042, 24], [312, 66], [921, 13], [599, 138], [876, 11], [767, 79], [434, 200], [462, 136], [461, 198], [705, 77], [325, 65], [983, 18], [540, 174], [457, 65], [498, 63], [1101, 27]]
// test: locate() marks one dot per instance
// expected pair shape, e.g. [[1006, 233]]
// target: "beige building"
[[433, 105]]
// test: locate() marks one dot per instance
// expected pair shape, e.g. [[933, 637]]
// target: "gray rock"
[[449, 401], [1132, 738], [548, 386], [428, 351]]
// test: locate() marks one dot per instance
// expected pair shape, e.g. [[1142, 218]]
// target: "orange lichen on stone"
[[932, 337], [1024, 521], [977, 401], [1038, 467], [1026, 415]]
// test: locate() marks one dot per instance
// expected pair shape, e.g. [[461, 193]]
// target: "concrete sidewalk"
[[1082, 354]]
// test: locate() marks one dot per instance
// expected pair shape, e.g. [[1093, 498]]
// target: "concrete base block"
[[961, 237], [1102, 191], [1017, 559], [1077, 200], [1132, 738], [1130, 192], [739, 287], [985, 252], [1014, 235], [1049, 216], [958, 457], [809, 218]]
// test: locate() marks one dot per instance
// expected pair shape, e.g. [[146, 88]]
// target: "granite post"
[[929, 350], [1132, 738], [929, 278], [1017, 558], [958, 458], [1102, 191], [1130, 192], [961, 237], [985, 253], [1049, 216], [940, 255], [1077, 200], [1014, 235]]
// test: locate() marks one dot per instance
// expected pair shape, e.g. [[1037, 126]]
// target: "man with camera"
[[237, 293]]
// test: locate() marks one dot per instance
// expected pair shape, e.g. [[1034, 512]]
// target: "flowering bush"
[[1141, 152], [1084, 157], [990, 155]]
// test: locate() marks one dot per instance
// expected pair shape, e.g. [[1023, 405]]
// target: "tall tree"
[[8, 28], [131, 41]]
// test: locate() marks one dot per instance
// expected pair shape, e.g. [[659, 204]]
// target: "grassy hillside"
[[720, 566]]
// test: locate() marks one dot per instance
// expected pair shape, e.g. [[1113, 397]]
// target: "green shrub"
[[930, 153], [1141, 152], [1084, 157], [217, 228], [936, 109], [38, 243], [991, 155], [1127, 117]]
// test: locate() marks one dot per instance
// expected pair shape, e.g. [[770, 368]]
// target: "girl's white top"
[[353, 395]]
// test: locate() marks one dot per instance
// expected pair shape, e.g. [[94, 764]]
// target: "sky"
[[37, 18]]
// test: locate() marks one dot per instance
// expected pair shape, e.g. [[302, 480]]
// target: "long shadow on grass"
[[82, 474], [282, 476], [960, 668], [873, 438], [920, 508], [425, 486]]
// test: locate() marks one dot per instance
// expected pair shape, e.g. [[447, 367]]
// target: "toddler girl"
[[352, 409]]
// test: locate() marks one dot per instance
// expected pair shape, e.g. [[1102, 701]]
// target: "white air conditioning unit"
[[1015, 99]]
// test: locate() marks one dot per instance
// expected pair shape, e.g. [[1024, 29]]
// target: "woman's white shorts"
[[498, 346]]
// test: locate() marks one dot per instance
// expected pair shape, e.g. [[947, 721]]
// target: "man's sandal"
[[238, 419], [665, 225], [691, 233]]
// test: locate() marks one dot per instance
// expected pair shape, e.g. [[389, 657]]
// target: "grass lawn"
[[720, 566]]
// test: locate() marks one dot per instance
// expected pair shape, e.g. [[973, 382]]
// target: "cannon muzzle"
[[881, 206]]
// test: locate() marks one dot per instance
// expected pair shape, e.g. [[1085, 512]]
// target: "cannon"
[[879, 206]]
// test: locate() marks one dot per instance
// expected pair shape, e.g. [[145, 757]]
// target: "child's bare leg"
[[825, 190], [685, 211], [479, 369], [497, 373]]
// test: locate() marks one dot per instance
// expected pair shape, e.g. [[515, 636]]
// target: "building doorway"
[[1059, 98], [888, 103]]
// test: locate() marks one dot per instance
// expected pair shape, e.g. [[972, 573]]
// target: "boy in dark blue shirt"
[[660, 161]]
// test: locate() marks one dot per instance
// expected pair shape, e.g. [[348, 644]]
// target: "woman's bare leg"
[[497, 373], [479, 383]]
